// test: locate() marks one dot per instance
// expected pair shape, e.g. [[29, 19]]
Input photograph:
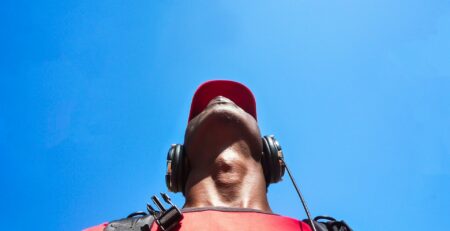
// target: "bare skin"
[[223, 146]]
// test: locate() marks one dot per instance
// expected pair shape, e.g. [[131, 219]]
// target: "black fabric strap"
[[330, 225], [143, 223]]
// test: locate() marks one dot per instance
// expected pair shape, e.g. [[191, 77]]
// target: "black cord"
[[300, 195]]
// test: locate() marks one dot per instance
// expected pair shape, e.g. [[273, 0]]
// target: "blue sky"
[[94, 92]]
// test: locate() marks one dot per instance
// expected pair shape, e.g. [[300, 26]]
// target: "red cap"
[[236, 92]]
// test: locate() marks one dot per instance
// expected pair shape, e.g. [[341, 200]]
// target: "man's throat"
[[230, 179], [233, 177], [229, 171]]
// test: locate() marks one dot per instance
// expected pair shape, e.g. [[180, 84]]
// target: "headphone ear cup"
[[175, 168], [272, 162], [265, 161]]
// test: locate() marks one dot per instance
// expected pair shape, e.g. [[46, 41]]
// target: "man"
[[223, 180]]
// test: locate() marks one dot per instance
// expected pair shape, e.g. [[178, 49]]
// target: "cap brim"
[[236, 92]]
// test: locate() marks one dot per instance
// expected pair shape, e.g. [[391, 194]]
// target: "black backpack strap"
[[165, 218], [330, 225], [143, 223]]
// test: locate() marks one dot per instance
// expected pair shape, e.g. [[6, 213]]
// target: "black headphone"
[[178, 167]]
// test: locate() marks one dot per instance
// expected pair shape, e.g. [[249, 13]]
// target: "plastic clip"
[[166, 219]]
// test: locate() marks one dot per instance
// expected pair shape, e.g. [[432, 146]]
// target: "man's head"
[[222, 113], [224, 159]]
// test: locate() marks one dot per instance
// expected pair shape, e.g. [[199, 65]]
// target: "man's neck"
[[229, 180]]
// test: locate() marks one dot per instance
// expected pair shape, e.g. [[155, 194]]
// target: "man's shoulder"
[[100, 227]]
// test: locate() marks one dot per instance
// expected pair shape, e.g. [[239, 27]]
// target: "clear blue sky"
[[94, 92]]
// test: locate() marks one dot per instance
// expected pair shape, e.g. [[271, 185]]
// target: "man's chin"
[[222, 118], [221, 126], [226, 114]]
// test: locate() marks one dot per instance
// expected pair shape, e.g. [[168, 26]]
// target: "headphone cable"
[[300, 195]]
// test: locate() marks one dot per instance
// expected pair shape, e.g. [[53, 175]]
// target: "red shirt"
[[228, 219]]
